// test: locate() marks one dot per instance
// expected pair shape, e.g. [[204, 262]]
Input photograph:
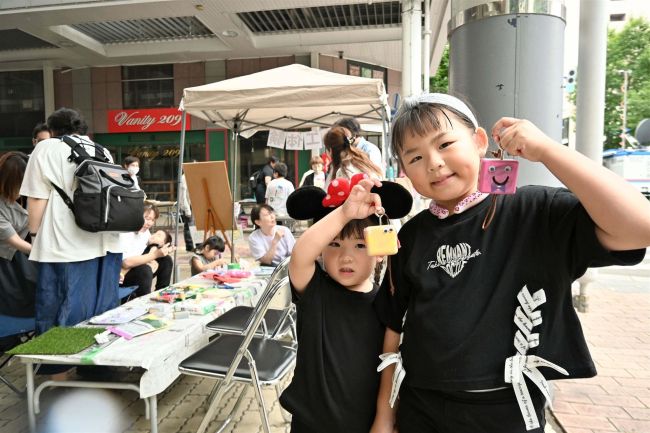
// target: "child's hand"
[[520, 137], [361, 203], [164, 250]]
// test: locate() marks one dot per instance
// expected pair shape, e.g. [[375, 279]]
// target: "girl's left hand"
[[361, 203], [520, 137]]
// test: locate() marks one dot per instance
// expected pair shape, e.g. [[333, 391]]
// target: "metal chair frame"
[[228, 379]]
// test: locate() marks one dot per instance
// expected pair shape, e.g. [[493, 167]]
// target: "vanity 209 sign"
[[146, 120]]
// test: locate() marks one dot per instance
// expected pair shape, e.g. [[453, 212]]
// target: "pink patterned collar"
[[466, 203]]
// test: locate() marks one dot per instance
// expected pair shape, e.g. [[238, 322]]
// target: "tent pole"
[[178, 199], [235, 153]]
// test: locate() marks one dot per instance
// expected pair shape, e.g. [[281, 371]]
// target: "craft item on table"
[[138, 327], [58, 341], [200, 307], [230, 276], [263, 271], [122, 314], [161, 309], [171, 295]]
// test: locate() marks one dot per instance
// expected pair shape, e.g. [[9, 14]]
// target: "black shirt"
[[460, 285], [335, 383]]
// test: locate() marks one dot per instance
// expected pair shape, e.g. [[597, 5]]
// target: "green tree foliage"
[[627, 49], [440, 81]]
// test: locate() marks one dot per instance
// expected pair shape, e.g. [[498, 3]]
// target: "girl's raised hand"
[[520, 137], [361, 203]]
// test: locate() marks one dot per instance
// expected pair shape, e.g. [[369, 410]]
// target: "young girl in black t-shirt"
[[481, 288], [340, 337]]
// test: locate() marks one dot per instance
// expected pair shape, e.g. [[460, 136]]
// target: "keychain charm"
[[381, 240], [498, 175]]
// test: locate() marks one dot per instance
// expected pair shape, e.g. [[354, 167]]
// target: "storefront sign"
[[146, 120]]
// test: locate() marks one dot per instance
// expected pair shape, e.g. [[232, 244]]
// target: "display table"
[[158, 352]]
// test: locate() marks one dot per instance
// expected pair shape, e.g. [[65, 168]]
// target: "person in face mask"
[[132, 165]]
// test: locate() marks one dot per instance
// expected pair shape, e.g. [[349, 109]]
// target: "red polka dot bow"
[[339, 189]]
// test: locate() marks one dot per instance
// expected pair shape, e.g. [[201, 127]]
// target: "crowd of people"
[[471, 271]]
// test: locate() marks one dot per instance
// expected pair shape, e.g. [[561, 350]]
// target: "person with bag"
[[78, 269]]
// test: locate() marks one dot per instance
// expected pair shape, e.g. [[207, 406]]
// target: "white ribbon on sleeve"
[[516, 367], [398, 375], [520, 365]]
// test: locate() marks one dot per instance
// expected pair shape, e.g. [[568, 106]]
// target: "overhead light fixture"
[[66, 44], [229, 33], [198, 7]]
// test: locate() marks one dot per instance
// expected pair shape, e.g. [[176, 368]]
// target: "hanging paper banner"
[[312, 139], [294, 141], [276, 138]]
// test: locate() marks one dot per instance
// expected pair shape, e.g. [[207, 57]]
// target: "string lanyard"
[[489, 216]]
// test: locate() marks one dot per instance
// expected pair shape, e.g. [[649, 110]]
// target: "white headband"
[[442, 99]]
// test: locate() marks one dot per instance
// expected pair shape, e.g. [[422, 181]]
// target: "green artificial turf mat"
[[58, 341]]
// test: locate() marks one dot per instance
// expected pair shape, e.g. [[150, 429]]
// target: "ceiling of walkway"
[[89, 33]]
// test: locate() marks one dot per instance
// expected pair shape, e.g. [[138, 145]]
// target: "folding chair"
[[268, 362], [13, 330], [277, 322]]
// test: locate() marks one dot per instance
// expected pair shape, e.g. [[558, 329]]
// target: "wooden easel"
[[212, 221]]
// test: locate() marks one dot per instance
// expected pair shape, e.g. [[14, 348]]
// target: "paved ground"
[[618, 400]]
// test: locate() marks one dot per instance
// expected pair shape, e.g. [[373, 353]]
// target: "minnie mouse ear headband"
[[310, 202], [438, 98]]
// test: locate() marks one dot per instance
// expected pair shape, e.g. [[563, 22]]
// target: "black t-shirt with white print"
[[460, 285], [340, 338]]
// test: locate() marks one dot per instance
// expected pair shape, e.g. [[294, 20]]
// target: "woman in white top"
[[270, 243], [347, 160]]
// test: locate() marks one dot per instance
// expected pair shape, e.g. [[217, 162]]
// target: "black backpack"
[[105, 199]]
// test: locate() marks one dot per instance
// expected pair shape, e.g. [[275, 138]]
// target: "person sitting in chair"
[[137, 256], [270, 243]]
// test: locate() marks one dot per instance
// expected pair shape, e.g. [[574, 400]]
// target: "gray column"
[[592, 59], [506, 60], [48, 89]]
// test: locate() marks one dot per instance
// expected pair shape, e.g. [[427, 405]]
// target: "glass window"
[[366, 70], [150, 86], [254, 154], [22, 103]]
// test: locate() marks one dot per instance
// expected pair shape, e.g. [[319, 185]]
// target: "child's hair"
[[421, 118], [12, 171], [315, 160], [354, 229], [281, 169], [168, 237], [213, 243], [130, 160], [338, 141], [148, 206], [255, 213]]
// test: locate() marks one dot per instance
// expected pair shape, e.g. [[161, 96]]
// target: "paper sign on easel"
[[312, 139], [276, 138], [294, 141]]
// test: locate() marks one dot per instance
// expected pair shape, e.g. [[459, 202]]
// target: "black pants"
[[260, 193], [429, 411], [187, 235], [142, 276]]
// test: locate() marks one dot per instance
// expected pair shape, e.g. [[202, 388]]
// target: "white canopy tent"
[[287, 98]]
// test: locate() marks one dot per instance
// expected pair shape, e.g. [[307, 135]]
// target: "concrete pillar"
[[411, 47], [592, 59], [506, 59], [48, 89]]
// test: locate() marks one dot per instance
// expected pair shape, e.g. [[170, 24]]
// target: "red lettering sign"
[[146, 120]]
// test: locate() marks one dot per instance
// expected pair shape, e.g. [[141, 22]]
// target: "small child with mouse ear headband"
[[487, 308], [339, 333]]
